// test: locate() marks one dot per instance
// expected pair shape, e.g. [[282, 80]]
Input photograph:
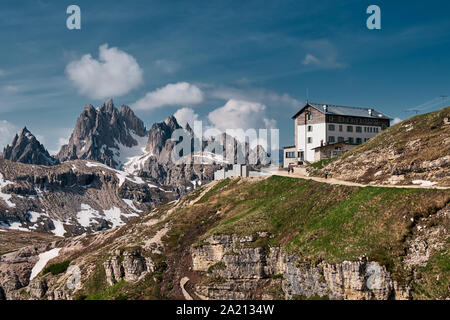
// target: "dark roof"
[[344, 111], [289, 147]]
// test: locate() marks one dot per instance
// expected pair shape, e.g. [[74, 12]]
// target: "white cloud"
[[114, 74], [322, 54], [7, 133], [167, 66], [260, 95], [186, 115], [310, 59], [181, 93], [59, 144], [238, 114], [396, 120]]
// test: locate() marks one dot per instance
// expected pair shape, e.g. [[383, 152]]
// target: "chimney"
[[370, 112], [325, 108]]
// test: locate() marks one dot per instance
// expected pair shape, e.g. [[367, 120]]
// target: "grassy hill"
[[415, 151], [315, 222]]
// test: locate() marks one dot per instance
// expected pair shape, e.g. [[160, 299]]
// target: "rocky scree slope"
[[265, 238], [73, 197], [415, 151]]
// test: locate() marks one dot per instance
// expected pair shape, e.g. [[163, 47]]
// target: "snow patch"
[[424, 183], [42, 262], [34, 216], [86, 215], [132, 159], [6, 197], [121, 175], [59, 228], [131, 205], [15, 226], [113, 216]]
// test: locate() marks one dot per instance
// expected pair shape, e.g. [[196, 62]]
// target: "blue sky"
[[224, 62]]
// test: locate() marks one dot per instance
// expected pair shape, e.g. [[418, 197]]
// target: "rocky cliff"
[[25, 148], [265, 238], [107, 135], [119, 139], [72, 198], [415, 151]]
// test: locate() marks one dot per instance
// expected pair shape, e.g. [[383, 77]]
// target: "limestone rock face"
[[415, 151], [25, 148], [240, 270], [128, 266], [103, 134], [15, 269], [73, 197]]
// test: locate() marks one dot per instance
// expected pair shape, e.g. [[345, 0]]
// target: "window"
[[350, 140], [331, 127], [340, 139], [309, 139], [290, 154], [340, 127], [358, 129], [365, 129], [310, 128], [376, 130], [358, 140], [309, 116], [300, 155], [331, 139], [349, 128]]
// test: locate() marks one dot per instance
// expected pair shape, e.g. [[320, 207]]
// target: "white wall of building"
[[367, 133], [318, 135]]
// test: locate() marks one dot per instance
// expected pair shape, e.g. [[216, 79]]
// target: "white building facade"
[[318, 125]]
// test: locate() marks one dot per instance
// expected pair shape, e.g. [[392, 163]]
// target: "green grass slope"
[[415, 149]]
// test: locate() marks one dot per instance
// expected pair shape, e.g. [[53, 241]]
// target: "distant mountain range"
[[110, 155]]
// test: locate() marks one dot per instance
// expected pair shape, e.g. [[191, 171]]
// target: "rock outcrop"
[[73, 198], [415, 151], [25, 148], [230, 262], [128, 266], [105, 135], [152, 256]]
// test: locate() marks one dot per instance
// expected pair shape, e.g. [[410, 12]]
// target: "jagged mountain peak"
[[108, 107], [105, 134], [25, 148], [172, 123]]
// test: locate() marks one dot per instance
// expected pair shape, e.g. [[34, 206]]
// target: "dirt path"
[[186, 295], [301, 173]]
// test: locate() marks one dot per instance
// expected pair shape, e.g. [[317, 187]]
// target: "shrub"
[[57, 268]]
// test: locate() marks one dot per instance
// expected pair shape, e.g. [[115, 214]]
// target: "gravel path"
[[301, 173]]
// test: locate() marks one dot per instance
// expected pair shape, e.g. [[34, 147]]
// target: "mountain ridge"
[[25, 148]]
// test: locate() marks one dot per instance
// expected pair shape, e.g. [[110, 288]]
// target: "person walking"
[[326, 173]]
